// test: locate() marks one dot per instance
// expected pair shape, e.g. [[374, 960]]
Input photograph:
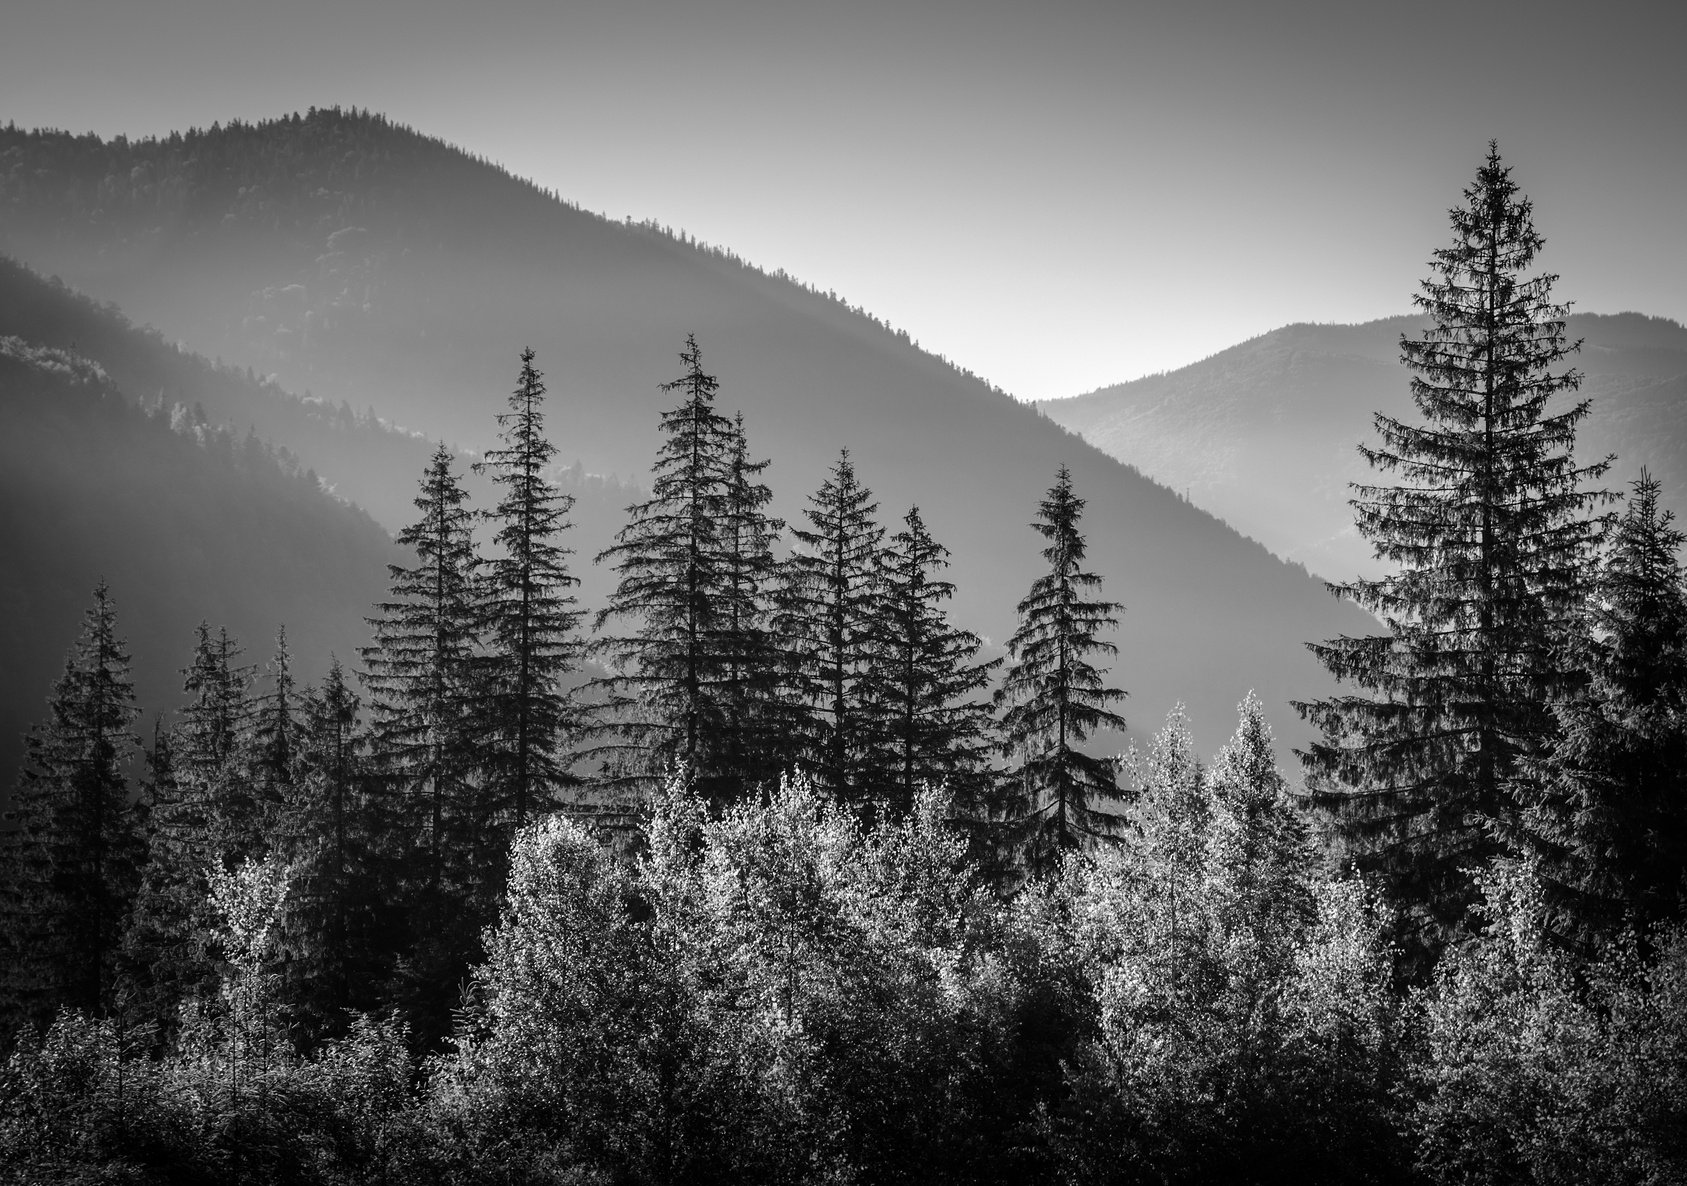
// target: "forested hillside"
[[366, 263], [185, 518], [1263, 434], [362, 458]]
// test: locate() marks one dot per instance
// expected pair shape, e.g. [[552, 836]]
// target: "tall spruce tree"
[[200, 811], [690, 592], [1490, 532], [756, 747], [274, 734], [212, 746], [828, 626], [422, 672], [1609, 820], [338, 840], [164, 959], [531, 623], [71, 865], [926, 678], [1053, 698], [419, 668]]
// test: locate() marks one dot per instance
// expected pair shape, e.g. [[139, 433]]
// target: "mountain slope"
[[1264, 434], [369, 264], [186, 522]]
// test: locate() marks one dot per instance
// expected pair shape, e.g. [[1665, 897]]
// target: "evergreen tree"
[[337, 844], [689, 590], [1053, 697], [163, 948], [756, 748], [427, 698], [1258, 857], [530, 619], [211, 748], [1609, 824], [926, 678], [273, 734], [828, 625], [71, 865], [419, 667], [1173, 813], [200, 811], [1490, 531]]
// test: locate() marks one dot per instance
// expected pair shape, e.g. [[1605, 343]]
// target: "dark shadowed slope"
[[364, 460], [372, 265], [184, 521], [1264, 434]]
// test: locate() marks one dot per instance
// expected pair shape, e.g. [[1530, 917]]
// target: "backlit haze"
[[1056, 196]]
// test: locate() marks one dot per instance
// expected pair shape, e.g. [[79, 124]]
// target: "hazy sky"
[[1057, 195]]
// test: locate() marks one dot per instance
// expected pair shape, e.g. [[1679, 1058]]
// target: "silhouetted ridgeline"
[[372, 265]]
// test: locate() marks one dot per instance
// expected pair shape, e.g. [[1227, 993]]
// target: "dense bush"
[[775, 993]]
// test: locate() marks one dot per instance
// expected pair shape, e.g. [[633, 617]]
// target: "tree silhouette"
[[927, 677], [1053, 697], [693, 561], [1608, 826], [71, 866], [531, 623], [1490, 532], [828, 621]]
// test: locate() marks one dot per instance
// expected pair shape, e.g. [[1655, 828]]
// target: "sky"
[[1057, 195]]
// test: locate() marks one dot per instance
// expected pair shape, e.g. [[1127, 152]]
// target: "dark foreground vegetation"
[[769, 877], [776, 994]]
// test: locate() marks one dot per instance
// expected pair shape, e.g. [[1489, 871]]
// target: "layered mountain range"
[[387, 279], [1264, 434], [185, 518]]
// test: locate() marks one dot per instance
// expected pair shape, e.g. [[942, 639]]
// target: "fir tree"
[[419, 666], [273, 733], [200, 811], [1053, 697], [71, 865], [211, 746], [926, 678], [337, 843], [1489, 532], [164, 960], [688, 588], [1172, 812], [427, 750], [755, 749], [828, 623], [1258, 857], [1609, 824], [531, 622]]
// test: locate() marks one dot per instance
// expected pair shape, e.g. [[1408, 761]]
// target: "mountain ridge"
[[1265, 433], [364, 264]]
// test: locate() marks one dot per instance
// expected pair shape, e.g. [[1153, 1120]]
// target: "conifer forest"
[[766, 869]]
